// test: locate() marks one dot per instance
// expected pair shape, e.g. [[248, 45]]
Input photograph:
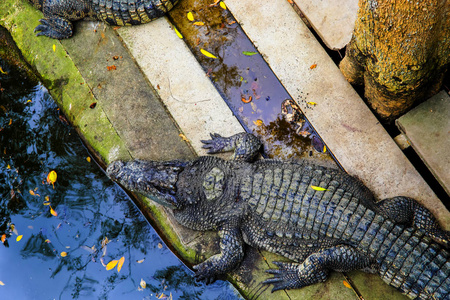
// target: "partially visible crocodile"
[[59, 13], [321, 218]]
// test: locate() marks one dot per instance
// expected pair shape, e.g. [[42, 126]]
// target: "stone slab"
[[333, 20], [427, 128], [180, 81], [351, 132]]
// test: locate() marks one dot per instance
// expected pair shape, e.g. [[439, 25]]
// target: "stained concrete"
[[332, 20], [427, 128]]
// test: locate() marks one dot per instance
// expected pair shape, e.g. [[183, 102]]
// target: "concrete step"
[[427, 128], [333, 21]]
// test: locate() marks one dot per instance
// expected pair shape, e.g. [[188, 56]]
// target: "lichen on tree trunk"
[[400, 50]]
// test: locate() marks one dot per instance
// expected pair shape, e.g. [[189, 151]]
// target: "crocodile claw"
[[216, 144], [285, 277], [54, 27], [205, 273]]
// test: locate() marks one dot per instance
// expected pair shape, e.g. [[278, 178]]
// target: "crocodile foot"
[[55, 28], [245, 145]]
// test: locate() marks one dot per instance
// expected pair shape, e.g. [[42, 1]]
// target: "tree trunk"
[[400, 50]]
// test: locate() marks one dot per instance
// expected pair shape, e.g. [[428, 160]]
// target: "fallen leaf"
[[47, 241], [1, 283], [110, 68], [313, 66], [290, 1], [190, 16], [51, 177], [178, 33], [19, 237], [3, 238], [346, 284], [88, 159], [183, 137], [258, 122], [222, 4], [245, 100], [140, 261], [120, 263], [63, 254], [88, 249], [207, 54], [10, 122], [111, 265], [324, 148], [93, 105], [54, 48], [8, 167], [249, 53], [311, 103], [143, 284], [160, 246], [3, 72], [318, 188], [32, 193], [198, 23], [53, 212]]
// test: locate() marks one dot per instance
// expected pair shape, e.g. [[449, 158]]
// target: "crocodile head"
[[155, 180]]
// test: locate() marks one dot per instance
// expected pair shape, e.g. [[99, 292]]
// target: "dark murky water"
[[34, 141]]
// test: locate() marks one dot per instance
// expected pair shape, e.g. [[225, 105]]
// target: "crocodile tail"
[[131, 12], [416, 265]]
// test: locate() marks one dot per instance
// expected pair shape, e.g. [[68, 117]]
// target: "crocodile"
[[59, 13], [321, 218]]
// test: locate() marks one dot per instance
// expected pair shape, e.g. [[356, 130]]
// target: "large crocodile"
[[59, 13], [321, 218]]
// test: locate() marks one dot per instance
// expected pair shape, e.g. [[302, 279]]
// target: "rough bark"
[[400, 51]]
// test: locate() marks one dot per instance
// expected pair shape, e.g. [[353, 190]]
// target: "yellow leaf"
[[207, 54], [88, 159], [222, 5], [258, 122], [111, 264], [3, 72], [54, 48], [29, 100], [10, 122], [199, 23], [324, 148], [312, 103], [32, 193], [8, 167], [53, 212], [51, 177], [190, 16], [63, 254], [19, 237], [47, 241], [178, 33], [183, 137], [120, 263], [347, 284], [313, 66], [1, 283], [143, 284], [318, 188]]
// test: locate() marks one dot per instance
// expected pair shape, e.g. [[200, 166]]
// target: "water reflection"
[[62, 255]]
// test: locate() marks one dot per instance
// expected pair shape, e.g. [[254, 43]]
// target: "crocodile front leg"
[[245, 145], [231, 254], [316, 267], [54, 27]]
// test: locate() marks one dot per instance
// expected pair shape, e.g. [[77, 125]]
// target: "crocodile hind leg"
[[316, 267], [408, 211], [245, 145]]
